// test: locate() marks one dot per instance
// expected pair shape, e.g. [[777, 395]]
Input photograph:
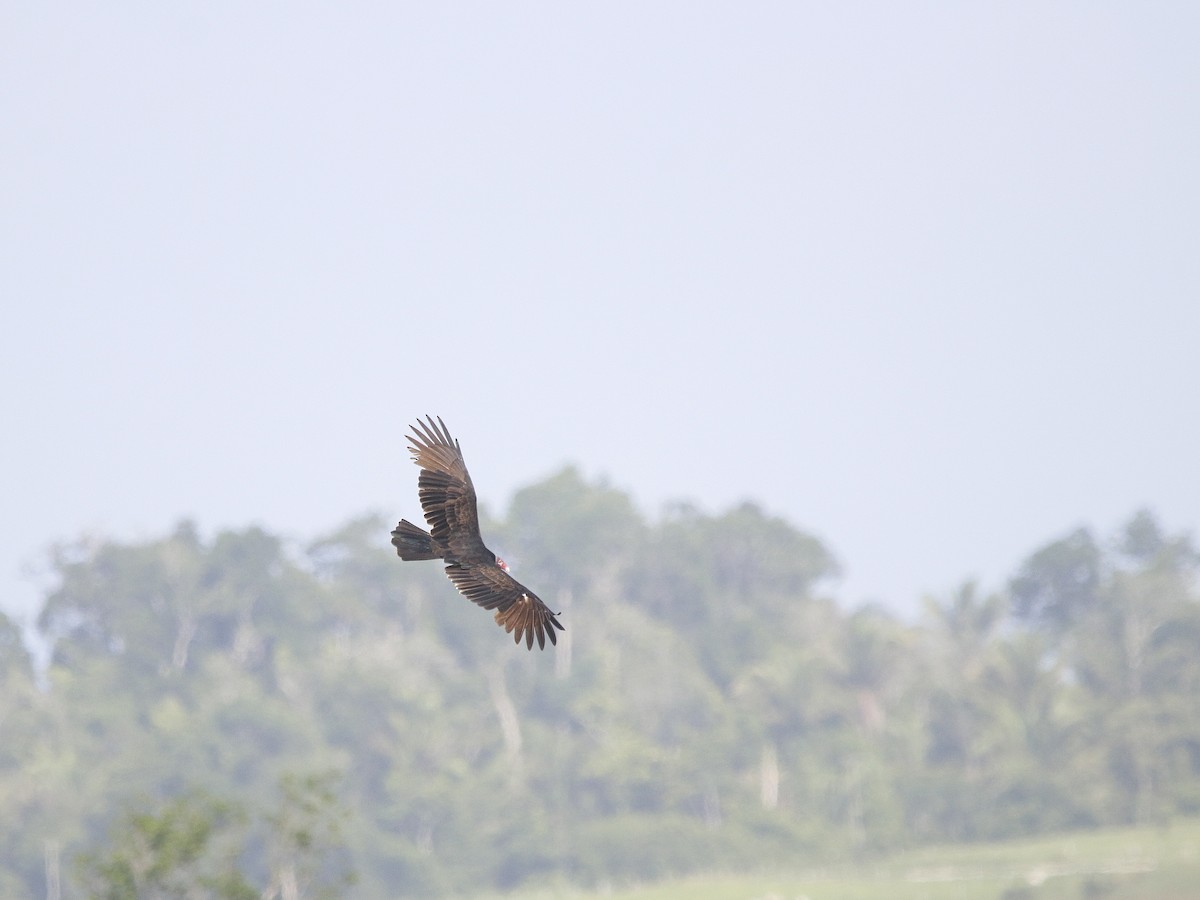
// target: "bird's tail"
[[412, 542]]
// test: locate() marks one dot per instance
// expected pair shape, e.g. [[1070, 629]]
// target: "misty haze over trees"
[[231, 714]]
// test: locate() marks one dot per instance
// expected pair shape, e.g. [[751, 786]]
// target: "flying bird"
[[448, 501]]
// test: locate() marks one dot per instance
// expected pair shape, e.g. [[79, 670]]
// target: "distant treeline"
[[248, 719]]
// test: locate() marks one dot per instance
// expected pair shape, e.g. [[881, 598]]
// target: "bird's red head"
[[502, 564]]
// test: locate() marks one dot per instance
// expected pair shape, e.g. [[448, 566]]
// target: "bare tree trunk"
[[1137, 629], [855, 805], [768, 771], [284, 884], [288, 889], [510, 725], [52, 853], [183, 639], [562, 659], [712, 808]]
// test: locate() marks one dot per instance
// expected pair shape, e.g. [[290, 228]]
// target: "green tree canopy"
[[709, 706]]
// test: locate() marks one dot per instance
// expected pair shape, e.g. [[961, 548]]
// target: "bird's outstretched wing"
[[519, 611], [448, 501], [446, 493]]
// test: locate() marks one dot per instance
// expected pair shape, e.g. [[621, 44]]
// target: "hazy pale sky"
[[922, 278]]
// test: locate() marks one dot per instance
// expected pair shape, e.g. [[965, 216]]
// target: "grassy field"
[[1129, 864]]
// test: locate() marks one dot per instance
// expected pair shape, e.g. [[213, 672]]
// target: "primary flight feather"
[[448, 501]]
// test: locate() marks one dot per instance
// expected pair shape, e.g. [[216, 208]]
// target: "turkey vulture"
[[448, 500]]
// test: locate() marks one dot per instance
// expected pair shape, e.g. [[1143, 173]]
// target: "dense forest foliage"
[[238, 718]]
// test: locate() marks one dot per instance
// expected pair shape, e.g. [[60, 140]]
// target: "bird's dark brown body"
[[448, 501]]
